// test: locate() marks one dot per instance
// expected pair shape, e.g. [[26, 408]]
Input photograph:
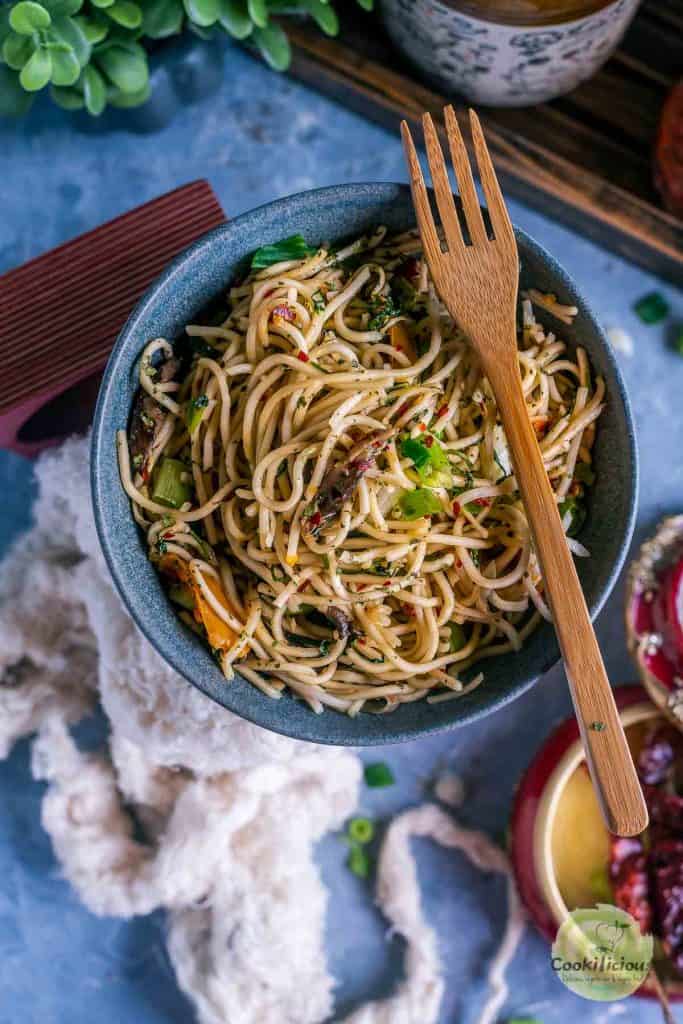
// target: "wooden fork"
[[477, 280]]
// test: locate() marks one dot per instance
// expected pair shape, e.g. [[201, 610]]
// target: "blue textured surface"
[[189, 284], [263, 137]]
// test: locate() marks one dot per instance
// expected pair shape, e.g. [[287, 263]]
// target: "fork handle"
[[607, 752]]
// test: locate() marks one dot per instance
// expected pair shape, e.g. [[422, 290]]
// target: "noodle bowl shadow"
[[189, 285]]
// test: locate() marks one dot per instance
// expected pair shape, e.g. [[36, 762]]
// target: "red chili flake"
[[399, 348], [362, 586], [482, 502], [458, 563], [441, 412], [300, 589], [302, 357], [422, 426], [403, 408], [456, 508], [315, 519], [428, 441], [387, 583], [168, 535], [285, 312], [269, 292], [361, 641]]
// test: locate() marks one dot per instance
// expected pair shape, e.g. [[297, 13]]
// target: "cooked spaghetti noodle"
[[325, 486]]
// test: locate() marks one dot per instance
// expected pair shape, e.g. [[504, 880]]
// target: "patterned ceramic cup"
[[502, 64]]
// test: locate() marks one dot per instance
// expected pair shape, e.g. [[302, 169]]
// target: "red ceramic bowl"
[[537, 811]]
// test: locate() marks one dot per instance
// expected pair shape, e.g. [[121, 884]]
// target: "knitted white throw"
[[230, 811]]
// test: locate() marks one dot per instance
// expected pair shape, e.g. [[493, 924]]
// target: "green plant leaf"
[[67, 99], [273, 46], [202, 12], [126, 68], [93, 30], [94, 91], [367, 5], [62, 8], [103, 4], [324, 16], [123, 100], [71, 33], [36, 71], [234, 18], [65, 67], [162, 18], [16, 50], [125, 13], [258, 12], [14, 101], [28, 17]]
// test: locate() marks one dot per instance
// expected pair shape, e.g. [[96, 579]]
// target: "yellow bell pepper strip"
[[219, 634]]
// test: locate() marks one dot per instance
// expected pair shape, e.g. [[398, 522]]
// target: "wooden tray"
[[584, 159]]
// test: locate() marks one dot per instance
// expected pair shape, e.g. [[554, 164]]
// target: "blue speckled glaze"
[[176, 298]]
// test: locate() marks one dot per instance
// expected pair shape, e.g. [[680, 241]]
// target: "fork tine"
[[498, 213], [425, 221], [463, 176], [442, 186]]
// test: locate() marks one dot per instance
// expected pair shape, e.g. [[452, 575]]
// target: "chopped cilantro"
[[578, 513], [195, 411], [597, 726], [383, 309]]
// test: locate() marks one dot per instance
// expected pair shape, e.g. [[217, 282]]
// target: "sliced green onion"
[[361, 830], [418, 503], [195, 411], [293, 248], [584, 473], [172, 486], [378, 775], [359, 862], [578, 515], [430, 460], [458, 638], [652, 308], [182, 595]]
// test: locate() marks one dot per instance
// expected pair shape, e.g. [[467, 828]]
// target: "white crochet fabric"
[[230, 812]]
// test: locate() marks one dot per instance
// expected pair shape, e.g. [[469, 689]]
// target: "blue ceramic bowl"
[[176, 298]]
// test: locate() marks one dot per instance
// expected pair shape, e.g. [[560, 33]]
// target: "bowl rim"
[[313, 730]]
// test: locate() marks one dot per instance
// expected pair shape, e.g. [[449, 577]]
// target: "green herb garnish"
[[382, 309], [584, 473], [597, 726], [361, 830], [578, 512], [195, 411], [458, 638], [378, 775], [652, 308], [293, 248], [418, 503]]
